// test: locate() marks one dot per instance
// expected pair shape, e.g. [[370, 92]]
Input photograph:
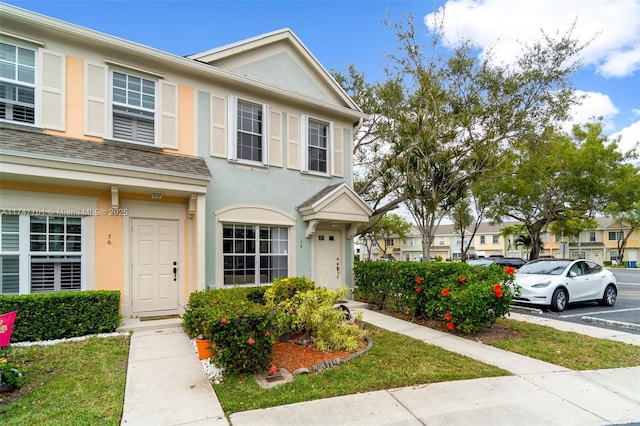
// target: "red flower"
[[250, 341], [224, 320], [444, 292], [273, 369], [448, 317], [418, 289], [450, 326], [268, 333], [499, 293], [419, 280], [510, 270], [497, 287], [462, 278]]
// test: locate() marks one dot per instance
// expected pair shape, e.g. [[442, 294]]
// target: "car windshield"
[[544, 267]]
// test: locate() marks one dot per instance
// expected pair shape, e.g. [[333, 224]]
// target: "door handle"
[[175, 271]]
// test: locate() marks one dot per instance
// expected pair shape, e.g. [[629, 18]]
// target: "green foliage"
[[240, 329], [53, 316], [10, 376], [283, 289], [462, 296], [317, 316]]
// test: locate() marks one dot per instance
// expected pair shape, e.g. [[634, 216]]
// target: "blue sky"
[[342, 32]]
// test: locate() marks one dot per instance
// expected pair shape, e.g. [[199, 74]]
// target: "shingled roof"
[[34, 144]]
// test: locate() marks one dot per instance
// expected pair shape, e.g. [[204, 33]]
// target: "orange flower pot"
[[205, 351]]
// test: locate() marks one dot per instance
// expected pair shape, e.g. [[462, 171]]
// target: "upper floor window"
[[592, 237], [482, 239], [250, 132], [134, 108], [616, 235], [318, 146], [389, 242], [317, 149], [17, 83], [441, 241], [496, 239]]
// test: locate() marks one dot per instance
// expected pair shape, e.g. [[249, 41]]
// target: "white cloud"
[[629, 137], [594, 105], [612, 26]]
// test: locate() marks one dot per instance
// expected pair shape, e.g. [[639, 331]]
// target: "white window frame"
[[233, 130], [19, 83], [304, 151], [145, 110], [26, 256], [258, 251]]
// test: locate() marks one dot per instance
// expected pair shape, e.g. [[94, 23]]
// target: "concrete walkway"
[[167, 386]]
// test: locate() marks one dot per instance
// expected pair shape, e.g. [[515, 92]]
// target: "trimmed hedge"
[[463, 296], [51, 316]]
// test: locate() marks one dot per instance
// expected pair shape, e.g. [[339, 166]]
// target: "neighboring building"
[[127, 168], [600, 244]]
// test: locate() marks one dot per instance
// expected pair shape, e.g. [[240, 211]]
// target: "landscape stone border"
[[332, 363]]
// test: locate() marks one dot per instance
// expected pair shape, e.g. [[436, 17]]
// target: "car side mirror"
[[572, 274]]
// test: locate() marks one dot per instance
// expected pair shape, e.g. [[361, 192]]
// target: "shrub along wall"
[[464, 297], [62, 315]]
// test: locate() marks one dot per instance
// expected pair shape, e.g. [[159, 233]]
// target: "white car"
[[557, 282]]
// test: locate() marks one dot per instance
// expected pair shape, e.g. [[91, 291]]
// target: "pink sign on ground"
[[6, 326]]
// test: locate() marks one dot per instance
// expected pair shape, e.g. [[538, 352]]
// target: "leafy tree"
[[463, 112], [385, 227], [511, 233], [555, 177], [572, 225], [462, 217], [628, 220]]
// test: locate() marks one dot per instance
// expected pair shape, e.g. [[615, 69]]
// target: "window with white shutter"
[[45, 253], [317, 151], [133, 108], [17, 83], [248, 131]]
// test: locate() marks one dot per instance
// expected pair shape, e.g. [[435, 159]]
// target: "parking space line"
[[601, 312]]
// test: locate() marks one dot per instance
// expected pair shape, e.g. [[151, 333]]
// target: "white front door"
[[327, 260], [154, 265]]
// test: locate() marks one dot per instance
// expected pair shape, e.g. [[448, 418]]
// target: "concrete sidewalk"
[[167, 386]]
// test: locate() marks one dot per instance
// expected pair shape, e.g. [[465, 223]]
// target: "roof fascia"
[[168, 58]]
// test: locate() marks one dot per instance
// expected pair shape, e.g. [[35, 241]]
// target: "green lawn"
[[71, 383], [82, 383]]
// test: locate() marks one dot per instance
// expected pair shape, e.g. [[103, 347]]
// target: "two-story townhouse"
[[600, 244], [108, 150], [280, 148]]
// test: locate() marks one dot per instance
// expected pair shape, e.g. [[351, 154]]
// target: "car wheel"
[[609, 296], [559, 300]]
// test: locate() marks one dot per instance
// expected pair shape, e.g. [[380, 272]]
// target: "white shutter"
[[337, 159], [232, 127], [304, 143], [95, 99], [293, 142], [168, 106], [52, 90], [275, 139], [218, 127], [265, 134]]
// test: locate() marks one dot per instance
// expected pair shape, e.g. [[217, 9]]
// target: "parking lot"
[[625, 315]]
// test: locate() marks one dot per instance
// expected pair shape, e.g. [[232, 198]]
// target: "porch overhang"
[[336, 204]]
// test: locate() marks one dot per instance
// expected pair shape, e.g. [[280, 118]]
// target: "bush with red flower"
[[465, 297]]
